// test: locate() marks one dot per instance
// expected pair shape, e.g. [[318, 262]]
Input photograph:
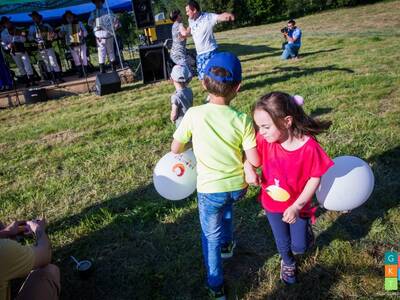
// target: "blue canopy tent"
[[52, 10]]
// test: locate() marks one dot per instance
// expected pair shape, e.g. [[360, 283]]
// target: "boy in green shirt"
[[221, 136]]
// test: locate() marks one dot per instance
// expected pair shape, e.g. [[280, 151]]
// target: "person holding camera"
[[292, 35], [32, 262]]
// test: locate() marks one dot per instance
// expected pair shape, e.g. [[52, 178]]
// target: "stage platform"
[[72, 86]]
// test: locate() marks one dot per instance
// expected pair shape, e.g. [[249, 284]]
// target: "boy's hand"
[[290, 215]]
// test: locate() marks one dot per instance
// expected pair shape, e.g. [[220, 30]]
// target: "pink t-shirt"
[[285, 173]]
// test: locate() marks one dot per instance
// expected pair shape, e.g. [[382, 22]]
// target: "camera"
[[284, 30]]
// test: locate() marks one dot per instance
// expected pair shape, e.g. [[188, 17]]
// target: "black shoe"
[[114, 66], [227, 250], [80, 72], [59, 78], [102, 70], [32, 81], [218, 294]]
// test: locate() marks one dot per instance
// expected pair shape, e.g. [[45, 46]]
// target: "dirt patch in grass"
[[64, 137]]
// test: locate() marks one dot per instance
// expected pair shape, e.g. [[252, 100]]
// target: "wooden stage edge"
[[72, 86]]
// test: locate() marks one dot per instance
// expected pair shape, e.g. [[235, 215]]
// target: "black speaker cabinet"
[[107, 83], [143, 13], [154, 63], [35, 95]]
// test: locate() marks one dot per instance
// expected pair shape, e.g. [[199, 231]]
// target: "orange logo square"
[[391, 271]]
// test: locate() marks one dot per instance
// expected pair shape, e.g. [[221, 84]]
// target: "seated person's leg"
[[286, 52], [41, 284], [296, 51]]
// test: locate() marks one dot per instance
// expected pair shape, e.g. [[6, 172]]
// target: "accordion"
[[104, 26], [73, 38]]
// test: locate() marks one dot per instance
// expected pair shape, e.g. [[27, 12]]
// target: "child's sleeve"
[[249, 136], [183, 133], [175, 100], [320, 161]]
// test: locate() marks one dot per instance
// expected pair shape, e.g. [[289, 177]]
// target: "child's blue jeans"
[[216, 219], [289, 238]]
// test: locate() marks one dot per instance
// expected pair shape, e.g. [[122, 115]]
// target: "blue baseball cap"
[[229, 62]]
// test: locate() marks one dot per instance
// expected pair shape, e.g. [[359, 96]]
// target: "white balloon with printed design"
[[175, 175]]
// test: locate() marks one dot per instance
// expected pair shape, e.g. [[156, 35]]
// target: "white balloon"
[[175, 175], [346, 185]]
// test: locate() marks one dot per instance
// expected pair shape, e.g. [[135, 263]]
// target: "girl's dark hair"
[[194, 4], [174, 15], [280, 105]]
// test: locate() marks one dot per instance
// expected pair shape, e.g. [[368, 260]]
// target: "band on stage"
[[36, 44]]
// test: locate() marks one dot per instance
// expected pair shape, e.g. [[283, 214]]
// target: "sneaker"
[[218, 294], [227, 250], [288, 273]]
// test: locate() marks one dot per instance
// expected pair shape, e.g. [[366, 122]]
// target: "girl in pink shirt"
[[292, 165]]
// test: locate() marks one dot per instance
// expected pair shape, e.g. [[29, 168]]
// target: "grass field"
[[86, 163]]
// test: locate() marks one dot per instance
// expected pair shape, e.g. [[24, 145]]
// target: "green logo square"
[[391, 284]]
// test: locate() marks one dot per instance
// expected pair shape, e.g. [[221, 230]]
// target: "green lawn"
[[86, 163]]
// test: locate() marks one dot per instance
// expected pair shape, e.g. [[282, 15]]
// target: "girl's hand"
[[251, 175], [252, 178], [290, 215]]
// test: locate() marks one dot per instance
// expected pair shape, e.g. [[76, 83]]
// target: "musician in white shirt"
[[43, 34], [12, 40], [75, 33], [102, 24]]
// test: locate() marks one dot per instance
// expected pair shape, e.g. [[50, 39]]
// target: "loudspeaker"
[[143, 13], [164, 32], [34, 95], [107, 83], [153, 61]]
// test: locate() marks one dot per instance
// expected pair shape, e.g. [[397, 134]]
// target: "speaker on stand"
[[143, 13], [153, 60]]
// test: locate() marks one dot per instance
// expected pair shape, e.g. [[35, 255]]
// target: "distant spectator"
[[293, 38], [32, 262]]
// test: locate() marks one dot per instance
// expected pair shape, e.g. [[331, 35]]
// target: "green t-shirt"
[[219, 135]]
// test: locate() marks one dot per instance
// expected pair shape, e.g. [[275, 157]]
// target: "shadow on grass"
[[241, 50], [318, 52], [287, 74], [319, 111]]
